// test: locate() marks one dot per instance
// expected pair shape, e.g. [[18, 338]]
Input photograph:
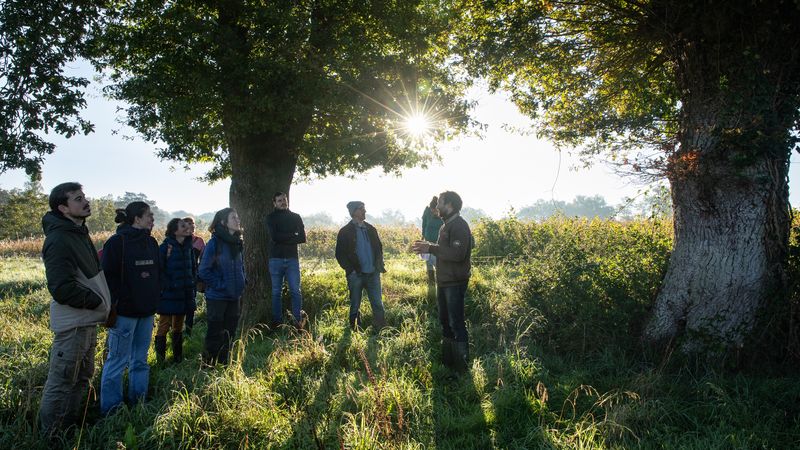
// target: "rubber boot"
[[160, 343], [177, 346], [447, 352], [378, 321], [461, 357]]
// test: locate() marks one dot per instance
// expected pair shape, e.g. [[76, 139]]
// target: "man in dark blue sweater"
[[286, 231]]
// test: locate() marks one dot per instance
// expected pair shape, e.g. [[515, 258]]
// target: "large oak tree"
[[272, 90], [704, 92]]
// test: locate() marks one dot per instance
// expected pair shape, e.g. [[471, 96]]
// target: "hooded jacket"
[[132, 266], [67, 248]]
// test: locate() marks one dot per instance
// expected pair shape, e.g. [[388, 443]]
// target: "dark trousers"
[[451, 312], [189, 320], [223, 318]]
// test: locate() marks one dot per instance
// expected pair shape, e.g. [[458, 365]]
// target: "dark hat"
[[354, 205]]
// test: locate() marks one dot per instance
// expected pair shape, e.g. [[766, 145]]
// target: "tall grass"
[[321, 242], [536, 380]]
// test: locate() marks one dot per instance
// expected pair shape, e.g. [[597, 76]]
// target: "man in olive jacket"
[[360, 253], [453, 264], [71, 265]]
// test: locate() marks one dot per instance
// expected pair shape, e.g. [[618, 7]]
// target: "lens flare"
[[417, 125]]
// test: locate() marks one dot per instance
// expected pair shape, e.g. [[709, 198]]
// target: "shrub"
[[592, 281]]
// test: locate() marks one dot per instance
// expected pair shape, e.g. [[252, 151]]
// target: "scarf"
[[234, 241]]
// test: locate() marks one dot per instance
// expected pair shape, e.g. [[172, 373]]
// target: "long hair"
[[131, 212], [433, 203], [172, 227], [221, 217]]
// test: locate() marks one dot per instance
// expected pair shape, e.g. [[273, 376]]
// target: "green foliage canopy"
[[618, 76], [37, 39], [328, 82]]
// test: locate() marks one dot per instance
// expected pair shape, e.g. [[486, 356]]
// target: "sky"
[[500, 170]]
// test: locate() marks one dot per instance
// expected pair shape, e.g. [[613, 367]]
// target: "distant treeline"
[[22, 211]]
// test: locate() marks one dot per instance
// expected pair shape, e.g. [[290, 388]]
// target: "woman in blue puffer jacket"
[[222, 270], [177, 288]]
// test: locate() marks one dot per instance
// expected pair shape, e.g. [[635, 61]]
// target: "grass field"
[[535, 381]]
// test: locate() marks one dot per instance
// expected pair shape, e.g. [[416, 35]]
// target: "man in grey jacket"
[[80, 302], [452, 250]]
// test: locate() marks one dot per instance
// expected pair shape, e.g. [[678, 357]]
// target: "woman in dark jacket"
[[131, 265], [177, 291], [222, 270]]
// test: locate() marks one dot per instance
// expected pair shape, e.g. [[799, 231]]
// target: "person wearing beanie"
[[360, 253]]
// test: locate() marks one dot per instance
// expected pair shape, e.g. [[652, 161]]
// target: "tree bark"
[[731, 237], [260, 166]]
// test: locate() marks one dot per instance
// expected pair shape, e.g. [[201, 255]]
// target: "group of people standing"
[[133, 277], [123, 287]]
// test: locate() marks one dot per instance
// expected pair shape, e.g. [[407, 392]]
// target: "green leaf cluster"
[[38, 38], [636, 80], [326, 83]]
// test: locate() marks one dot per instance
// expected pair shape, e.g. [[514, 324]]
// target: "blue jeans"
[[289, 268], [128, 343], [451, 312], [356, 283]]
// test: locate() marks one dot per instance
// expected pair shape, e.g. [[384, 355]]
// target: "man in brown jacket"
[[452, 251]]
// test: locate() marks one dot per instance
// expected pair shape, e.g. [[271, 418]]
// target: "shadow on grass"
[[314, 413], [12, 289], [459, 420]]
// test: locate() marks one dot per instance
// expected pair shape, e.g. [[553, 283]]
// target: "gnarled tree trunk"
[[731, 222], [260, 166]]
